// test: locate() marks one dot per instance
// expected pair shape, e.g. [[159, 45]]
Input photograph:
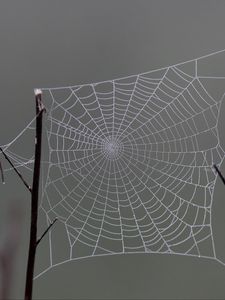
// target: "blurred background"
[[59, 43]]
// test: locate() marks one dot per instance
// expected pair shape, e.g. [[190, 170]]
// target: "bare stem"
[[34, 198], [45, 232], [15, 169]]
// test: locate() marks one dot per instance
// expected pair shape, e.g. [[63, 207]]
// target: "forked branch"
[[45, 232], [34, 242]]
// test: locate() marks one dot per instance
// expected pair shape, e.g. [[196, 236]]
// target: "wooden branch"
[[34, 197], [45, 232], [219, 173], [15, 169]]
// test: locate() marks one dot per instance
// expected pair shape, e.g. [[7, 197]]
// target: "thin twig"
[[15, 169], [219, 173], [2, 173], [45, 232]]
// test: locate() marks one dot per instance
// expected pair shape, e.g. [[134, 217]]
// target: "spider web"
[[130, 165]]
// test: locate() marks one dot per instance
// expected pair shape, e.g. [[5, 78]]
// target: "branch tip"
[[37, 92]]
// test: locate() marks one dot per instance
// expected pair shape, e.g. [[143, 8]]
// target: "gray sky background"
[[60, 43]]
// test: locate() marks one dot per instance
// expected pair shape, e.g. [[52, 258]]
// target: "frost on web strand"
[[130, 165]]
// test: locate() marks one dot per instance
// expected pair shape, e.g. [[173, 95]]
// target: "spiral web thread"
[[130, 165]]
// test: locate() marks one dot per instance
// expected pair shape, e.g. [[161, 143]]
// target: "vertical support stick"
[[34, 197]]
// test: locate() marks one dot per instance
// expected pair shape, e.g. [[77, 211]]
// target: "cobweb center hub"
[[112, 148]]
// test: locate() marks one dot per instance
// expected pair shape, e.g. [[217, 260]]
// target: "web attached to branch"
[[130, 165]]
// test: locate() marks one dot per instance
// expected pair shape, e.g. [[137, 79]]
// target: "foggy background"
[[60, 43]]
